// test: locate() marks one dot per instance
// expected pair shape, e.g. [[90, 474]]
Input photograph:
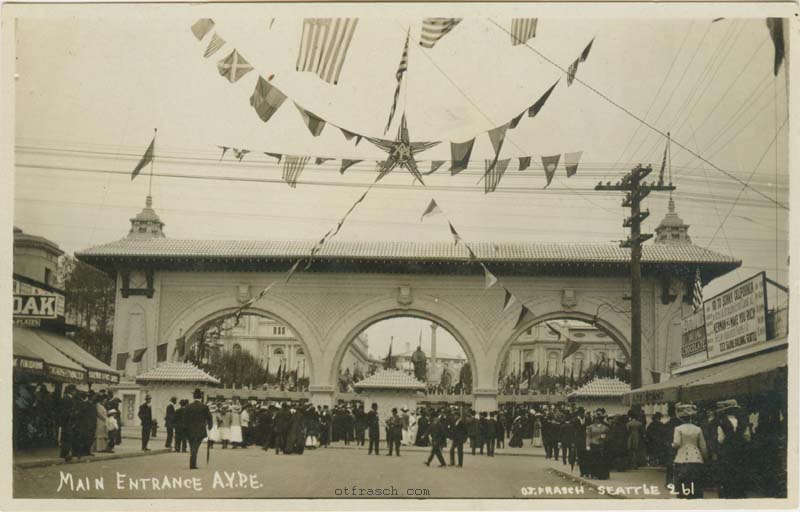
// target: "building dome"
[[672, 229]]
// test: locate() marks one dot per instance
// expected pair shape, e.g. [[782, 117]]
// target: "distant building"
[[539, 347], [672, 229], [438, 363]]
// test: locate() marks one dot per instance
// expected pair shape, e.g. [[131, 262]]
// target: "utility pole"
[[636, 189]]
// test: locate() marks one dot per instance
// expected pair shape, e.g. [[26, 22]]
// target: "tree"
[[89, 297]]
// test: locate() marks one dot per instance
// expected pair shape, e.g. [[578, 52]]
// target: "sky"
[[92, 85]]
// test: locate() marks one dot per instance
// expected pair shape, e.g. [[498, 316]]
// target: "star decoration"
[[401, 152]]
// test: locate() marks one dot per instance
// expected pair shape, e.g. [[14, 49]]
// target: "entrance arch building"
[[167, 288]]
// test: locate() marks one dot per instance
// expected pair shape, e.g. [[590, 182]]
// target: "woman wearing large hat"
[[733, 436], [691, 448], [236, 425], [596, 447]]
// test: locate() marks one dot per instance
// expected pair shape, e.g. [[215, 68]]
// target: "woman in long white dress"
[[236, 425], [213, 435], [412, 429], [225, 425]]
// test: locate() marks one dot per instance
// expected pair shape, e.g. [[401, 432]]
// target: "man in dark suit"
[[283, 420], [483, 431], [394, 427], [458, 432], [361, 424], [67, 420], [438, 439], [197, 418], [181, 439], [146, 420], [472, 430], [169, 421], [374, 426], [491, 434]]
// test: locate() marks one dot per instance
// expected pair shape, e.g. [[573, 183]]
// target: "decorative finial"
[[148, 202], [671, 205]]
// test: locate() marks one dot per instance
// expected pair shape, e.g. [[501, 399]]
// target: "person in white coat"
[[692, 451]]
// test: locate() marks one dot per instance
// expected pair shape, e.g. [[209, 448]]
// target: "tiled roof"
[[602, 388], [390, 379], [177, 372], [523, 252]]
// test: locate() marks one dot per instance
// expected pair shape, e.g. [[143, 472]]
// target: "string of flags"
[[490, 279], [573, 68], [325, 46]]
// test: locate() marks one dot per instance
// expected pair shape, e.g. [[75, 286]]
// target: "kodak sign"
[[35, 306]]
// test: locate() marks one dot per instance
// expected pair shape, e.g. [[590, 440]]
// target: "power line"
[[653, 128]]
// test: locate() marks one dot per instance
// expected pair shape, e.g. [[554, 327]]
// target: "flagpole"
[[152, 161]]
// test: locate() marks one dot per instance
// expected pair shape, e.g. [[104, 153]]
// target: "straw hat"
[[727, 405], [685, 410]]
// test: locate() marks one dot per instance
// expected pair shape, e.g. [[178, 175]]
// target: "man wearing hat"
[[374, 426], [438, 439], [394, 429], [146, 420], [181, 441], [198, 423], [169, 421]]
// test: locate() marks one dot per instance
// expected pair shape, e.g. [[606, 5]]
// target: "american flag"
[[697, 291], [522, 29], [401, 69], [494, 172], [434, 29], [292, 167], [324, 45]]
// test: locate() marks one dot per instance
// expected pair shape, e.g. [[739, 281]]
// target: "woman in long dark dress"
[[516, 433], [422, 429], [296, 440], [596, 448]]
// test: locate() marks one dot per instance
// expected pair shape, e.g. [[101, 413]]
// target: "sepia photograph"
[[366, 252]]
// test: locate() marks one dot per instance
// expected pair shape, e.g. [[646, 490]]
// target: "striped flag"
[[266, 99], [434, 29], [522, 29], [314, 123], [201, 27], [494, 172], [324, 45], [401, 69], [233, 67], [215, 44], [697, 291], [292, 167]]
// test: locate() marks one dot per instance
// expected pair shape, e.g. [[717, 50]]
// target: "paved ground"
[[322, 473]]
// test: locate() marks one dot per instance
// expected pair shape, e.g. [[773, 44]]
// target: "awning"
[[30, 349], [98, 371], [754, 374]]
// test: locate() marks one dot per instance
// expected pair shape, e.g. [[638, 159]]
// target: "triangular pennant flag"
[[292, 270], [346, 164], [656, 376], [453, 232], [459, 154], [266, 99], [435, 165], [494, 172], [536, 107], [523, 316], [508, 299], [202, 27], [514, 122], [472, 255], [146, 158], [524, 162], [349, 135], [571, 71], [293, 167], [224, 150], [214, 45], [550, 163], [431, 210], [314, 123], [321, 160], [585, 52], [239, 153], [775, 26], [571, 162], [497, 136], [274, 155], [570, 348], [489, 278], [233, 67]]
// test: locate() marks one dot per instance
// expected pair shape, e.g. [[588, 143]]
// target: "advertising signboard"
[[736, 318], [694, 346], [36, 305]]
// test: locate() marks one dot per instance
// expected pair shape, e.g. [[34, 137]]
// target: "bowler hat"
[[727, 405]]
